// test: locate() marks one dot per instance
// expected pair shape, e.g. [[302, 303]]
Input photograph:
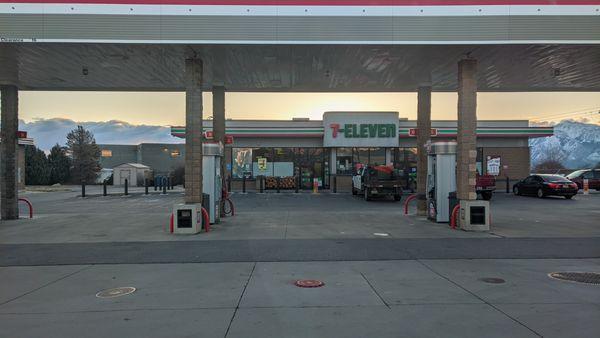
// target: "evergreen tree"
[[36, 166], [60, 165], [85, 153]]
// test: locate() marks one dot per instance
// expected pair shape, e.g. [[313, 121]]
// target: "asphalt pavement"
[[384, 274]]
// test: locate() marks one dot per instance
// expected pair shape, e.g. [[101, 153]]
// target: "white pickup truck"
[[377, 181]]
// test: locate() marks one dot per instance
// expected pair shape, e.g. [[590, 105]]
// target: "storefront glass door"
[[313, 163]]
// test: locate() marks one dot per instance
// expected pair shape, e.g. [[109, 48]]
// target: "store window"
[[405, 160], [360, 156], [410, 154], [309, 163], [106, 153], [241, 162], [283, 162], [262, 162], [411, 159], [398, 158], [480, 161], [377, 156], [343, 160]]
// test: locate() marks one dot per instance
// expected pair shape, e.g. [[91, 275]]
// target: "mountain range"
[[575, 144]]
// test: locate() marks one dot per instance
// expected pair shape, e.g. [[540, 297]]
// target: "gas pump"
[[187, 217], [212, 155], [441, 179]]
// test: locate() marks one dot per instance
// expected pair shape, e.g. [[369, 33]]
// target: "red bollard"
[[29, 205], [206, 220], [410, 198], [453, 216]]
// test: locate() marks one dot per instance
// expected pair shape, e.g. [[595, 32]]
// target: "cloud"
[[47, 132]]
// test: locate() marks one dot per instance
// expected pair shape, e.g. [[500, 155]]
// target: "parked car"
[[592, 175], [377, 181], [546, 185]]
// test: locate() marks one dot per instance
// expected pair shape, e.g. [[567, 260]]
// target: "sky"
[[166, 109]]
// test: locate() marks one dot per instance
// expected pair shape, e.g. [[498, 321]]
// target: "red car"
[[592, 175]]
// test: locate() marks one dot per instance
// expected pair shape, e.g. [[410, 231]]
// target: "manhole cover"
[[492, 280], [309, 283], [579, 277], [116, 292]]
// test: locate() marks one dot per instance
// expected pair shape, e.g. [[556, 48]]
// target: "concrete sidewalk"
[[410, 298]]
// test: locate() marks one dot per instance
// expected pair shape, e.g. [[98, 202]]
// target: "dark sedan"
[[546, 185]]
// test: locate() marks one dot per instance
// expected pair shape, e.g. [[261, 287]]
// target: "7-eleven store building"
[[284, 148]]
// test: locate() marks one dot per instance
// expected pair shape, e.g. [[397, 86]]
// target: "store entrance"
[[313, 163]]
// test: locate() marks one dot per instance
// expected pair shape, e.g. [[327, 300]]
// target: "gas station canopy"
[[304, 45], [316, 68]]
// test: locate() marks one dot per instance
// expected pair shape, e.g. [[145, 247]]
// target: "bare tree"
[[552, 159], [549, 166], [85, 153]]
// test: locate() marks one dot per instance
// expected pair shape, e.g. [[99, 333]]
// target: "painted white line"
[[382, 234]]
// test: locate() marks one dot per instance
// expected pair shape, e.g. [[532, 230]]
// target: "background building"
[[160, 158]]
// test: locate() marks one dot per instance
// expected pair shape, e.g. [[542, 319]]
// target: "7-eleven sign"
[[413, 132]]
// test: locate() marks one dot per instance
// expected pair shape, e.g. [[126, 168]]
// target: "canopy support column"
[[193, 131], [218, 93], [466, 166], [8, 152], [9, 120], [423, 137]]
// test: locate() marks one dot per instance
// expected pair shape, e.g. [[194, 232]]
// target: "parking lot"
[[386, 274], [65, 217]]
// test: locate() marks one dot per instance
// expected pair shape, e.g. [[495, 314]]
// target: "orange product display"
[[284, 183]]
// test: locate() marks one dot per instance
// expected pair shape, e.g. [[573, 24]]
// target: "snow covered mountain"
[[575, 144]]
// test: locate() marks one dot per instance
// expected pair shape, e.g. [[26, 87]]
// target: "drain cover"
[[309, 283], [579, 277], [492, 280], [116, 292]]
